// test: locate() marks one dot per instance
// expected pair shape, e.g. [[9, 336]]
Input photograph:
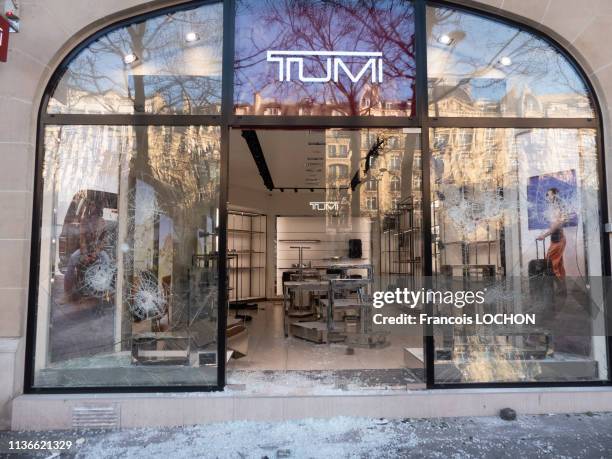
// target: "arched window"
[[517, 197], [168, 64], [129, 217], [480, 67]]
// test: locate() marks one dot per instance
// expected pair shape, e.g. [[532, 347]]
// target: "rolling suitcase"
[[540, 282], [355, 248], [540, 266]]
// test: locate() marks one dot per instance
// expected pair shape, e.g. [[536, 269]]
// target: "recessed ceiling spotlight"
[[130, 58], [445, 39], [505, 61], [190, 37]]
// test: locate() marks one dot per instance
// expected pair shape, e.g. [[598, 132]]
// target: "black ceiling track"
[[250, 136]]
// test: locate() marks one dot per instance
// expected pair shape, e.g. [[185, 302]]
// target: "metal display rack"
[[246, 243], [401, 244]]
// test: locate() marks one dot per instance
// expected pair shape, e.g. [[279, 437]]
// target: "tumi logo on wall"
[[291, 65], [325, 205]]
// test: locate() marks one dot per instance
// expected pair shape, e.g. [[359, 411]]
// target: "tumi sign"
[[4, 38], [334, 64], [325, 205], [362, 64]]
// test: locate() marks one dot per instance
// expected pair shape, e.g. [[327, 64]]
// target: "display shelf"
[[401, 243], [246, 242]]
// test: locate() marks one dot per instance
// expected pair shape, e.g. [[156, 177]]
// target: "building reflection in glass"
[[316, 80], [478, 67]]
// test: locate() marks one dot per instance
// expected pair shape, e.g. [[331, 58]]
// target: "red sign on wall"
[[4, 38]]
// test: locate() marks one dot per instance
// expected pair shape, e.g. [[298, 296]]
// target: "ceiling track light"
[[451, 38], [190, 37], [445, 39], [130, 58], [250, 136]]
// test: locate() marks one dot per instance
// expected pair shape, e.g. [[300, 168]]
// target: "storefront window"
[[519, 222], [128, 273], [480, 67], [128, 266], [344, 58], [170, 64]]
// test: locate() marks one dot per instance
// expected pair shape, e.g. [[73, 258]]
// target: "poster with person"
[[539, 204]]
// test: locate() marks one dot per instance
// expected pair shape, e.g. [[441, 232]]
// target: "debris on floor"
[[571, 435], [507, 414], [323, 382]]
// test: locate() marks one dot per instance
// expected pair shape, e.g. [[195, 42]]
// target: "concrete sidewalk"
[[551, 436]]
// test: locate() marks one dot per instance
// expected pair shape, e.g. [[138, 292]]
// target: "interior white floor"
[[270, 350]]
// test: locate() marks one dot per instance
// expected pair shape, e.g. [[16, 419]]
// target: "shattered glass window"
[[515, 215], [128, 280]]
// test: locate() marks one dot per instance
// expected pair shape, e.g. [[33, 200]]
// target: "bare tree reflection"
[[168, 74], [334, 25], [478, 67]]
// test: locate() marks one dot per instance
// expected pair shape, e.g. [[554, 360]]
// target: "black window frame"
[[227, 120]]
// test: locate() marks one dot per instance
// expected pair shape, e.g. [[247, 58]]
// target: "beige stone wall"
[[50, 28]]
